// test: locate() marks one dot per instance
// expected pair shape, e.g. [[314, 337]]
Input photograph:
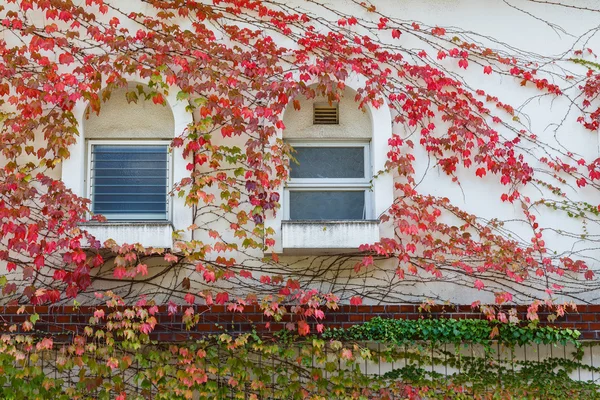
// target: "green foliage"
[[433, 359], [487, 377], [399, 331], [587, 63]]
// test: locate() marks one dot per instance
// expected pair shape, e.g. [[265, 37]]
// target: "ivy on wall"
[[399, 331], [383, 358]]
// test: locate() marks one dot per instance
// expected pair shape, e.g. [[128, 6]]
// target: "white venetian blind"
[[129, 181]]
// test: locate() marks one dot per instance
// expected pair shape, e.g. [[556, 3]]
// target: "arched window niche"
[[331, 203], [122, 162]]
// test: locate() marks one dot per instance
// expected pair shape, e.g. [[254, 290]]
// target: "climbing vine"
[[113, 359], [237, 66], [456, 331]]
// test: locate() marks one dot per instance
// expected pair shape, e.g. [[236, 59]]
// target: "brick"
[[582, 326], [68, 309], [238, 317], [67, 320], [436, 309], [341, 317], [82, 319], [590, 308], [398, 308], [204, 327], [276, 326], [55, 328], [588, 335], [212, 317], [588, 317], [61, 318], [217, 309]]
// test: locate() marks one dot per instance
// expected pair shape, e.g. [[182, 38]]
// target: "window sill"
[[147, 233], [327, 236]]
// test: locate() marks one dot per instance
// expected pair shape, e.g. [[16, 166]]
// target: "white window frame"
[[131, 217], [333, 184]]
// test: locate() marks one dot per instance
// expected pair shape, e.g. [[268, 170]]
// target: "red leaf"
[[65, 58], [190, 298], [396, 33], [437, 31], [487, 70], [39, 261], [303, 328], [589, 275], [209, 276], [227, 131], [119, 272], [356, 301], [222, 298], [158, 99]]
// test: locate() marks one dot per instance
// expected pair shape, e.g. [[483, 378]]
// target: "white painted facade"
[[490, 18]]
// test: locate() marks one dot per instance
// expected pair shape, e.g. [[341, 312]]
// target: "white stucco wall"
[[120, 119], [353, 124], [489, 19], [138, 120]]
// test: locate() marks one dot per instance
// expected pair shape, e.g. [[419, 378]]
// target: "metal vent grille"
[[326, 114]]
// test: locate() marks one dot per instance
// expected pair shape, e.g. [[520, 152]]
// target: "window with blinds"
[[129, 181], [331, 181]]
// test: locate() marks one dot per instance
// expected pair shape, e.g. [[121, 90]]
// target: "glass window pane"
[[130, 179], [327, 205], [328, 162]]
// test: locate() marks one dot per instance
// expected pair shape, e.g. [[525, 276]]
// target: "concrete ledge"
[[149, 234], [328, 236]]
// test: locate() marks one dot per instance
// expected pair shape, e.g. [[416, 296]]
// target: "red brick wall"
[[63, 321]]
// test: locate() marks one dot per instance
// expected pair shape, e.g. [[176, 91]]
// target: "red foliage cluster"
[[228, 61]]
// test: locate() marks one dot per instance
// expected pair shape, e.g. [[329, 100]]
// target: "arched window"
[[331, 179], [331, 202], [128, 166]]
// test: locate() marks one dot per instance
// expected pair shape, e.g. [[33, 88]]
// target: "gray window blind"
[[130, 181]]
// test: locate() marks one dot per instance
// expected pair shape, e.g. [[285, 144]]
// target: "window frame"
[[131, 217], [332, 184]]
